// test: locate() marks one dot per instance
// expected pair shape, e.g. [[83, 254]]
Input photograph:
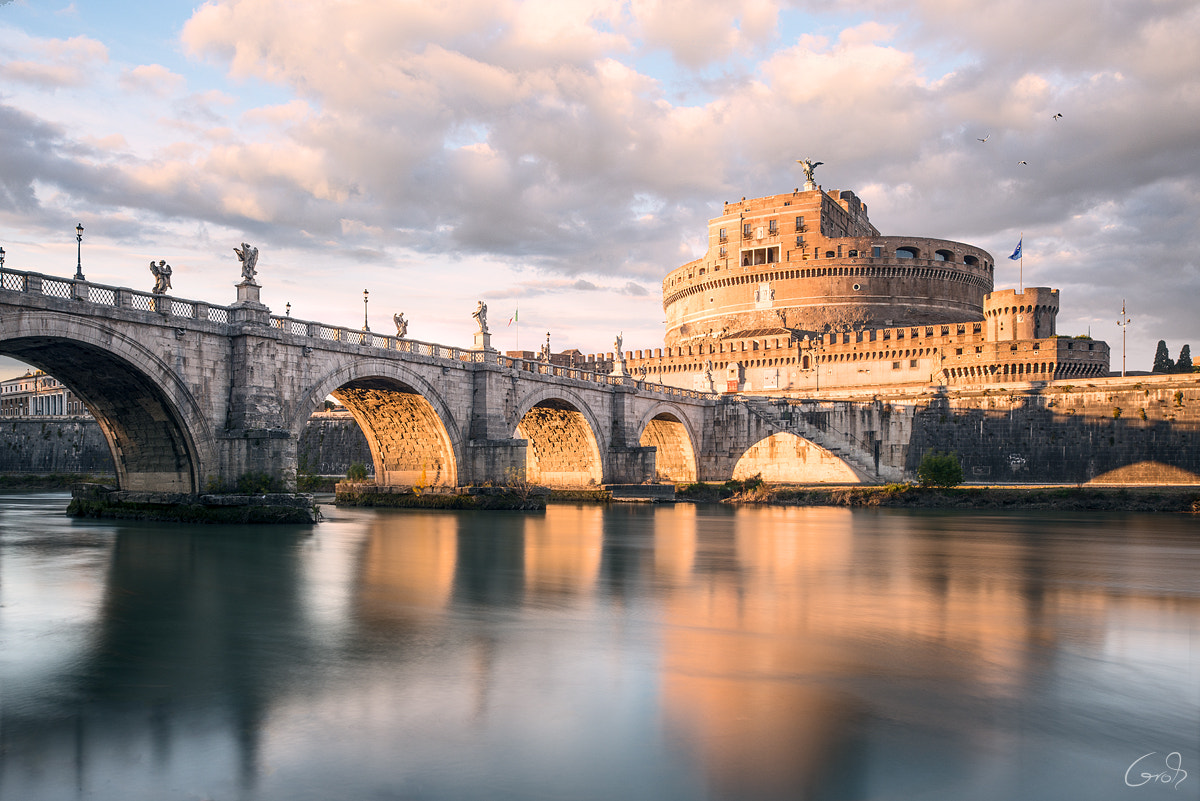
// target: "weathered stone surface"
[[188, 405]]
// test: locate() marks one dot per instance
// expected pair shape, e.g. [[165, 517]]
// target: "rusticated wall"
[[53, 445]]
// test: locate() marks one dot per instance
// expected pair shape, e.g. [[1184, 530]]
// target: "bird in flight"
[[1056, 117], [1026, 163], [984, 139]]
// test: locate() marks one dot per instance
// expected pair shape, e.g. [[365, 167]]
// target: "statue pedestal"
[[248, 293], [483, 340], [619, 366], [249, 309]]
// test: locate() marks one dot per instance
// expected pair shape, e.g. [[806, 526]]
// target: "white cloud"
[[532, 135]]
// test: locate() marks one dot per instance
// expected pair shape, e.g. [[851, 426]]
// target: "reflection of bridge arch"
[[785, 457], [667, 429], [159, 436], [566, 442], [410, 430]]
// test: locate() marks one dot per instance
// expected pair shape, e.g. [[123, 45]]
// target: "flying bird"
[[1056, 117], [984, 139], [1026, 163]]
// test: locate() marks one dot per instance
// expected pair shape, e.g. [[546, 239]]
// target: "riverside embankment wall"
[[1143, 430]]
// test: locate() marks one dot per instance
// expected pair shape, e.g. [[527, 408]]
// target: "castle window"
[[912, 362], [895, 365], [723, 250], [906, 253], [745, 230], [829, 254], [853, 254], [970, 261], [876, 252], [799, 225], [773, 227], [722, 235], [943, 255]]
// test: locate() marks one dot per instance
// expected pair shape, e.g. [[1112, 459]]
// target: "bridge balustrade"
[[124, 297], [113, 296]]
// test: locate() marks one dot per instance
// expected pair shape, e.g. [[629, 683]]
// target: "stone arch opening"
[[675, 457], [145, 424], [562, 450], [787, 458], [409, 442]]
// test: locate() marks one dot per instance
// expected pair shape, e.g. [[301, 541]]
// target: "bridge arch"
[[410, 429], [159, 436], [668, 429], [566, 442], [787, 458]]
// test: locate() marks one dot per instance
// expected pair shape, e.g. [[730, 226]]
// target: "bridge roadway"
[[191, 396]]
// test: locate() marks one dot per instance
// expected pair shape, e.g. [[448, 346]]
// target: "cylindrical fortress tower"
[[1021, 315], [811, 261]]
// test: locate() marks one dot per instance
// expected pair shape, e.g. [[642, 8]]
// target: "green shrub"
[[257, 483], [747, 485], [940, 470], [357, 472]]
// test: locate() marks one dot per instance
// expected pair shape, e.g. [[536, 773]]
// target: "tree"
[[1162, 359], [940, 470], [1184, 363]]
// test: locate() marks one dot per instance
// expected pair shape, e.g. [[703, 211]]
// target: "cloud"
[[152, 79], [535, 136], [53, 63]]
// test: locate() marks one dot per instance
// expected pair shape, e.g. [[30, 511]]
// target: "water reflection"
[[592, 652]]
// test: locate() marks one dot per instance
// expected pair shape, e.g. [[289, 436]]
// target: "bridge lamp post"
[[288, 307], [1, 258], [79, 252], [365, 326]]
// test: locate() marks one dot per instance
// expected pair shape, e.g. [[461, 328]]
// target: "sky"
[[561, 156]]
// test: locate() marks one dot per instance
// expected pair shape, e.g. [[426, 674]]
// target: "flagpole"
[[1021, 280]]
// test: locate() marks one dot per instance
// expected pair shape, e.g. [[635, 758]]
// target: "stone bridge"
[[191, 396]]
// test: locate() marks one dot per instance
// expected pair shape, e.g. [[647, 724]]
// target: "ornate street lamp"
[[365, 326], [1, 258], [79, 252], [289, 309]]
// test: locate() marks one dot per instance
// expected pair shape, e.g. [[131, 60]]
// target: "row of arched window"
[[825, 272], [1020, 371]]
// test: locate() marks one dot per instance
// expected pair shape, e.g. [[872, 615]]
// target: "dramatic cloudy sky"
[[564, 154]]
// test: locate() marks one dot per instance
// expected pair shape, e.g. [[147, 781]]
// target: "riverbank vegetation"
[[1131, 499]]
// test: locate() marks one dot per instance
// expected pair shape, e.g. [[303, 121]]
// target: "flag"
[[513, 319], [1016, 254]]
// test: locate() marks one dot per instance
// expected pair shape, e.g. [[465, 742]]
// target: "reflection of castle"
[[800, 292]]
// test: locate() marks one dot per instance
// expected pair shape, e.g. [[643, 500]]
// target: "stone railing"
[[112, 296], [356, 336], [125, 298]]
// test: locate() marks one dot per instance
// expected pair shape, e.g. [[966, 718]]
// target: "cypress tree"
[[1162, 359], [1184, 364]]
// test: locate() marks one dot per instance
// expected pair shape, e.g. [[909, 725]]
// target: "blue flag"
[[1017, 253]]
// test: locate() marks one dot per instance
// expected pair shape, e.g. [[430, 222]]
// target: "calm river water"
[[628, 652]]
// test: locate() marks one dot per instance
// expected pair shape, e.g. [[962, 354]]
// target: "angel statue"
[[248, 255], [809, 166], [401, 325], [162, 277], [617, 346], [480, 315]]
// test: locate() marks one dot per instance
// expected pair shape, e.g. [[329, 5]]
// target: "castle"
[[799, 293]]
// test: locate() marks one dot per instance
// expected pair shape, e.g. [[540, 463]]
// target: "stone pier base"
[[102, 501]]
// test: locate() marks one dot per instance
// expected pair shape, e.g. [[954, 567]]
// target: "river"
[[588, 652]]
